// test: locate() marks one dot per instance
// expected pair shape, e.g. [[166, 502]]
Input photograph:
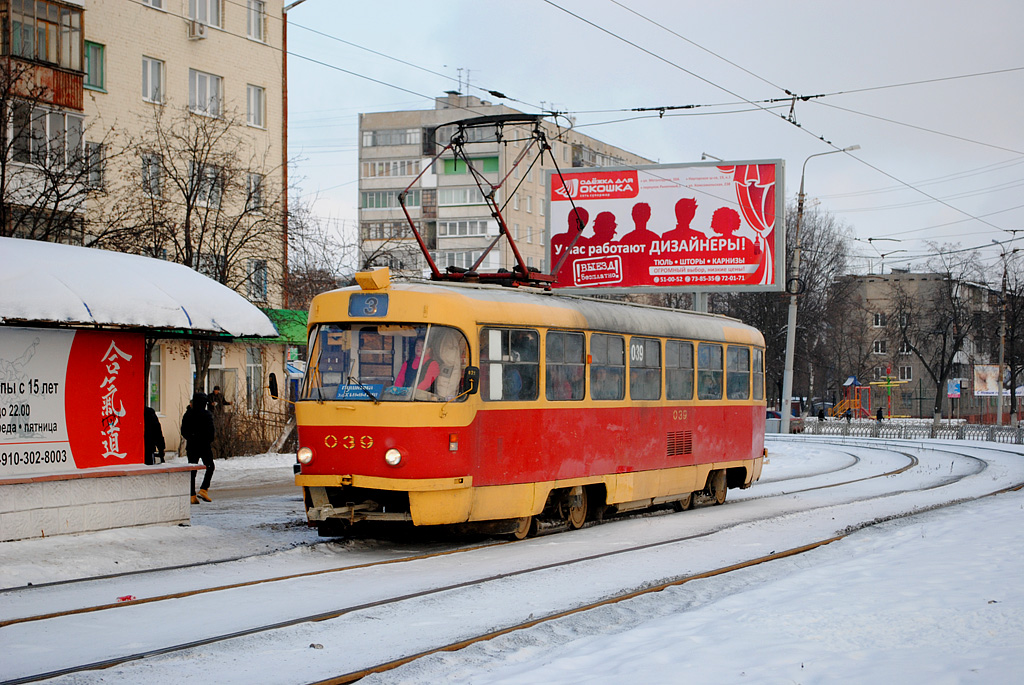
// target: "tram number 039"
[[31, 457]]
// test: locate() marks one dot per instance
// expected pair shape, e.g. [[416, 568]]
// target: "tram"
[[518, 412]]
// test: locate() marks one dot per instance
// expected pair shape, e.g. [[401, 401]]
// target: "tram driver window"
[[564, 366], [709, 371], [678, 370], [737, 373], [607, 367], [510, 364], [644, 369]]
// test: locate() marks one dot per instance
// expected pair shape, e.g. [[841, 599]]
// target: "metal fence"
[[901, 430]]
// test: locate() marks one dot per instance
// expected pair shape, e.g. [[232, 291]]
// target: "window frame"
[[602, 358], [255, 106], [507, 367], [708, 372], [737, 380], [640, 366], [152, 66], [91, 65], [202, 11], [214, 101], [256, 20], [559, 373], [677, 370]]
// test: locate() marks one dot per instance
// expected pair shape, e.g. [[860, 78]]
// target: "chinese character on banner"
[[111, 413]]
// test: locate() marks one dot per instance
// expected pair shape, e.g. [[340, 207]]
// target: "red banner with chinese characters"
[[71, 400], [683, 227]]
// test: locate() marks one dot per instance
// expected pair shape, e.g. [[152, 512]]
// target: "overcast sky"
[[941, 160]]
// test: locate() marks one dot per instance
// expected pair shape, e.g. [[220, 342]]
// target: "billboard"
[[69, 400], [692, 227], [986, 381]]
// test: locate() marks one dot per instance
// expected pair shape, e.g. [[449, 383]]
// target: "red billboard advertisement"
[[678, 227], [69, 400]]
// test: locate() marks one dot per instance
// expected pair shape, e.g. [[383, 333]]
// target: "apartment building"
[[446, 204], [155, 126]]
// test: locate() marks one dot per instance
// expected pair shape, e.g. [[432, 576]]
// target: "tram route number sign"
[[69, 400], [681, 227]]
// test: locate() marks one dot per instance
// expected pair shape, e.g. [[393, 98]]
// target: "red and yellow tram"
[[519, 410]]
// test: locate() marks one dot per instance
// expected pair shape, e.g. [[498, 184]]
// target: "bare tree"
[[319, 257], [935, 319], [194, 190]]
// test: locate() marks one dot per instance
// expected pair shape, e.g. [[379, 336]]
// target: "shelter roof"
[[48, 283], [291, 324]]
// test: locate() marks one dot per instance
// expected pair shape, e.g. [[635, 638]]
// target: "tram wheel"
[[718, 487], [578, 512], [524, 526], [683, 503]]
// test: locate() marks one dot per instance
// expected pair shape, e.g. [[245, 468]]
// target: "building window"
[[206, 184], [96, 161], [449, 197], [158, 4], [394, 167], [253, 192], [204, 93], [879, 320], [47, 32], [464, 259], [529, 204], [153, 393], [256, 12], [45, 137], [253, 376], [386, 199], [398, 136], [255, 106], [879, 373], [905, 348], [205, 11], [257, 280], [487, 165], [385, 230], [211, 266], [906, 373], [94, 66], [515, 201], [880, 347], [152, 171], [462, 227], [152, 80]]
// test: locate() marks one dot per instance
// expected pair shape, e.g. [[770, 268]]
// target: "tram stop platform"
[[94, 499]]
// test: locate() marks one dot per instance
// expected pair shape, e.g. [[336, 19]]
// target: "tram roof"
[[598, 315]]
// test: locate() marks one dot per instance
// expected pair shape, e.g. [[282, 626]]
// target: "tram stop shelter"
[[73, 328]]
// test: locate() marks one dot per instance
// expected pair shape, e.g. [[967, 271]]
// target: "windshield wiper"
[[353, 379]]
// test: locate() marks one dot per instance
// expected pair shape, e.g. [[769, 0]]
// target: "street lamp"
[[794, 289]]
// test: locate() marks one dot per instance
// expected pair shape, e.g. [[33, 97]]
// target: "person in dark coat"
[[197, 429], [154, 437]]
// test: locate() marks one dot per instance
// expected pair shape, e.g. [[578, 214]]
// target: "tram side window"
[[678, 370], [644, 369], [709, 371], [564, 366], [607, 367], [737, 373], [510, 361], [758, 374]]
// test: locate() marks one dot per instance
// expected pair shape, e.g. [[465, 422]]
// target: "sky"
[[888, 603], [931, 94]]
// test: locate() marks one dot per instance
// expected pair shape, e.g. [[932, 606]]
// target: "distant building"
[[446, 204], [877, 351]]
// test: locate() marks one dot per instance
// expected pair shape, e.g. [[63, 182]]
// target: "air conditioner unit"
[[196, 30]]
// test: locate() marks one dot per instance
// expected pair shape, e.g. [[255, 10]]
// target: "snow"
[[934, 597], [42, 281]]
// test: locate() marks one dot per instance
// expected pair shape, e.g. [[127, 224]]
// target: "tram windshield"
[[385, 363]]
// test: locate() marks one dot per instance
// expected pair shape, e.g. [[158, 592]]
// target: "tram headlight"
[[304, 455], [393, 457]]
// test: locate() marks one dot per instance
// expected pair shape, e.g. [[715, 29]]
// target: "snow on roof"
[[48, 282]]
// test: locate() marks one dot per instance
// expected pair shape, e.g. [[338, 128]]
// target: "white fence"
[[899, 429]]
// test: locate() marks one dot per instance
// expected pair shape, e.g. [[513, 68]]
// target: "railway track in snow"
[[879, 483]]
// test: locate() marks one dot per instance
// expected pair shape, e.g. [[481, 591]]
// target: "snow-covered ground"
[[933, 598]]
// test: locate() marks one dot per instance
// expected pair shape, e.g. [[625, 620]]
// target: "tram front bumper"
[[428, 501]]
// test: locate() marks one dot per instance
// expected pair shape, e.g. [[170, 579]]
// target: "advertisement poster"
[[986, 381], [681, 227], [69, 400]]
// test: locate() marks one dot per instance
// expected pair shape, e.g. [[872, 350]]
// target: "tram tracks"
[[452, 589]]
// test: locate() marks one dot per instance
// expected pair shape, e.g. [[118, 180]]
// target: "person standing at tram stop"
[[154, 437], [217, 400], [198, 431]]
